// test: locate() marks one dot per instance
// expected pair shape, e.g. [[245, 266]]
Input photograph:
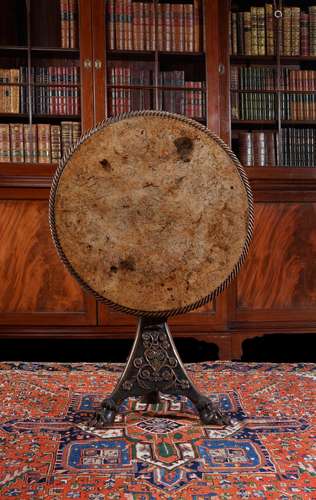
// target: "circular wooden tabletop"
[[152, 213]]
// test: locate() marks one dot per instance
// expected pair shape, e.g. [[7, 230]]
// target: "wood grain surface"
[[31, 275], [280, 270]]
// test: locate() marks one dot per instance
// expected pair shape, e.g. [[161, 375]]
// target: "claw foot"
[[102, 418], [105, 416], [210, 414]]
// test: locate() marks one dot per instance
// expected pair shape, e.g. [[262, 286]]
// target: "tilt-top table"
[[153, 214]]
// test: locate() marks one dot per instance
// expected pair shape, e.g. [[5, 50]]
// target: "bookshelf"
[[155, 58], [271, 123], [190, 69], [272, 83], [40, 105], [176, 72]]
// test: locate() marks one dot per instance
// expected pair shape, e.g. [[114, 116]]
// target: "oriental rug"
[[157, 451]]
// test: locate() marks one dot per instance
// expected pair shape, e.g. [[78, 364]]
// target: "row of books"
[[253, 106], [293, 147], [191, 103], [147, 26], [298, 147], [258, 148], [63, 99], [264, 78], [41, 143], [189, 100], [125, 100], [254, 32], [298, 106], [69, 24]]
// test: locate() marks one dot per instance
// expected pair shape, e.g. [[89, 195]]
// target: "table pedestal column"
[[154, 366]]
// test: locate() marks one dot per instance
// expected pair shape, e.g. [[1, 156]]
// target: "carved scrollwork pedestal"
[[154, 366]]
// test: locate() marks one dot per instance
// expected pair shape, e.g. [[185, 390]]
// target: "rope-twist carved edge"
[[137, 312]]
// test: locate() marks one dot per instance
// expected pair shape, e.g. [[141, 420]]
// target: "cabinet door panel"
[[36, 287], [278, 279]]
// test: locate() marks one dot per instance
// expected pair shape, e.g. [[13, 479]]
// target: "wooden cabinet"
[[275, 291], [54, 88], [271, 121]]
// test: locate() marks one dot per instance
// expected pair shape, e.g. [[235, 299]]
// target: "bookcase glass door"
[[39, 80], [273, 83], [155, 58]]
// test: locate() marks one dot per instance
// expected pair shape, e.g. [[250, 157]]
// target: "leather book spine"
[[188, 27], [39, 90], [314, 97], [269, 29], [188, 108], [246, 148], [129, 22], [110, 16], [50, 97], [15, 92], [135, 27], [197, 33], [73, 24], [44, 143], [141, 27], [60, 99], [160, 26], [64, 24], [70, 90], [178, 82], [259, 149], [304, 35], [240, 33], [147, 31], [7, 89], [247, 33], [66, 136], [17, 142], [152, 26], [234, 85], [30, 143], [174, 27], [261, 33], [287, 32], [254, 31], [270, 141], [295, 31], [118, 23], [166, 16], [312, 30], [198, 100], [5, 155], [234, 33], [76, 131], [2, 106], [180, 17], [55, 143], [65, 89], [299, 97]]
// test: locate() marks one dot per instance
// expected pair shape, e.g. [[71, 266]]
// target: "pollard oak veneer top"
[[152, 213]]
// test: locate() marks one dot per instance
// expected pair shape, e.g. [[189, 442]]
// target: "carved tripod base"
[[154, 366]]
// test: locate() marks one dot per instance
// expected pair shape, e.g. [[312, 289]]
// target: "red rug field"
[[157, 451]]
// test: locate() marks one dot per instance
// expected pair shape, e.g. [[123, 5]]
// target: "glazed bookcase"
[[275, 291]]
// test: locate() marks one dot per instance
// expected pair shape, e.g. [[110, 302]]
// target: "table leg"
[[154, 366]]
